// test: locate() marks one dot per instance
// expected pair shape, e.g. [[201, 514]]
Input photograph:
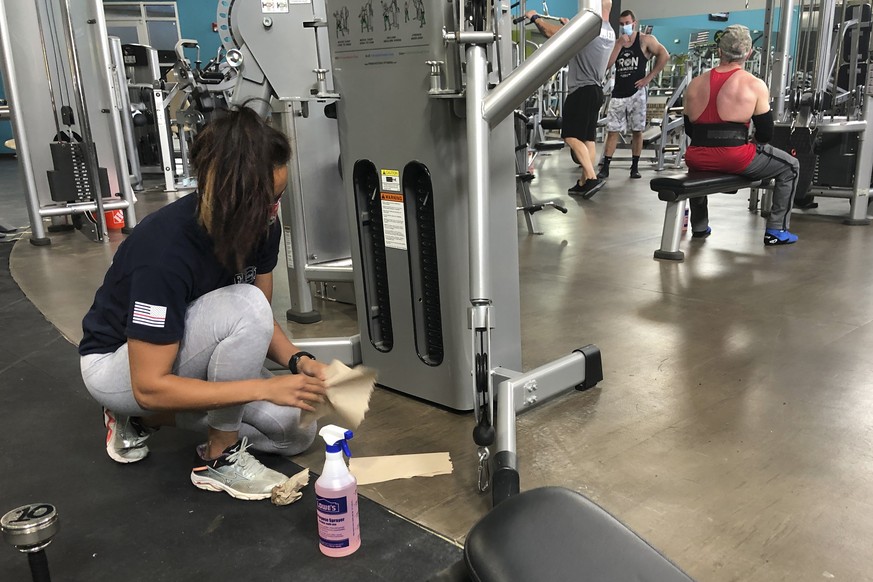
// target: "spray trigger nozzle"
[[336, 438]]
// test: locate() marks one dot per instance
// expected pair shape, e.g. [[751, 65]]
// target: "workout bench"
[[555, 534], [675, 189]]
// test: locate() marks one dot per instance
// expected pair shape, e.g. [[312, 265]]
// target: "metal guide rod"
[[522, 31], [838, 51], [48, 73], [825, 39], [132, 156], [781, 59], [767, 42], [549, 58], [806, 41], [83, 121], [22, 144]]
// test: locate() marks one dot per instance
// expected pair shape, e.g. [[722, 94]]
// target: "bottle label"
[[336, 523]]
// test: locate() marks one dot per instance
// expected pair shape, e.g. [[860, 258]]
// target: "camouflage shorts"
[[627, 112]]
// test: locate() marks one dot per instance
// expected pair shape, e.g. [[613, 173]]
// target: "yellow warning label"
[[391, 180], [390, 197]]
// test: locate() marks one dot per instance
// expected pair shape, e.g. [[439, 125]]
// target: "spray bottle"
[[336, 493]]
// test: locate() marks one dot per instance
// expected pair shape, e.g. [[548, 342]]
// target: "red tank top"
[[729, 160]]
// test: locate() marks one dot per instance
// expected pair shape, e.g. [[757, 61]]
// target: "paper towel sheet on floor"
[[348, 396], [378, 469]]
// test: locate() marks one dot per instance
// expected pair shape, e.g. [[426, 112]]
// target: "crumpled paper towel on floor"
[[289, 491]]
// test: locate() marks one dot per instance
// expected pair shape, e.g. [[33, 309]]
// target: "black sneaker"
[[702, 233], [588, 189], [635, 173], [604, 171]]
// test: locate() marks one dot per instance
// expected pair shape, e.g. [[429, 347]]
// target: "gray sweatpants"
[[769, 162], [227, 333]]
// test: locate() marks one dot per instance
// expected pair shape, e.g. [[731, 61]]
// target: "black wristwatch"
[[533, 18], [295, 359]]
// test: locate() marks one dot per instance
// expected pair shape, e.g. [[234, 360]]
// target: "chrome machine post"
[[486, 109], [864, 162], [83, 121], [123, 97], [781, 65], [22, 142]]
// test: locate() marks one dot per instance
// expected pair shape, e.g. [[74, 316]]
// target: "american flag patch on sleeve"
[[150, 315]]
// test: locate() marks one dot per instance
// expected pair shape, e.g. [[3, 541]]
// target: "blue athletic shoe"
[[773, 237]]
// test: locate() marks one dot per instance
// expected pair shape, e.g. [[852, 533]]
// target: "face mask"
[[627, 29]]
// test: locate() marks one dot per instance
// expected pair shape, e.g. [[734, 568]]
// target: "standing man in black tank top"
[[631, 55]]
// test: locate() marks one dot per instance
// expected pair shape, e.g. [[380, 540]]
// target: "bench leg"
[[672, 233]]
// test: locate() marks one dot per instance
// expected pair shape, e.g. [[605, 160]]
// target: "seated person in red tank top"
[[720, 104]]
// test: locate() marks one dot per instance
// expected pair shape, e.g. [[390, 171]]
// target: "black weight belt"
[[724, 135]]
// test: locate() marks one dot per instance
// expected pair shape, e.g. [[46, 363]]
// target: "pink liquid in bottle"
[[336, 491]]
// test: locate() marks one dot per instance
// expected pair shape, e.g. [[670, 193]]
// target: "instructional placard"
[[393, 220], [391, 180], [289, 248], [274, 6]]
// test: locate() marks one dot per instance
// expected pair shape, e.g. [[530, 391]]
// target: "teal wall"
[[195, 21], [5, 125], [680, 28], [565, 8]]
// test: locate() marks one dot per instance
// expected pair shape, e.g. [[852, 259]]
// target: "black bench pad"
[[553, 533], [551, 123], [675, 187]]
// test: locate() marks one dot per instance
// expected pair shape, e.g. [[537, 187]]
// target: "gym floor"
[[732, 428]]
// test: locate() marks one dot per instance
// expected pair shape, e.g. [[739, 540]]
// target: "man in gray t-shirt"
[[582, 106]]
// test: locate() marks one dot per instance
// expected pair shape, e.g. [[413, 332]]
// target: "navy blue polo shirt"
[[166, 263]]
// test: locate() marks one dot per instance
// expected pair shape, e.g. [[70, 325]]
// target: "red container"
[[114, 219]]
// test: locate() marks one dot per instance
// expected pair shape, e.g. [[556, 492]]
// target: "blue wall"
[[566, 8], [195, 21], [5, 125], [669, 30]]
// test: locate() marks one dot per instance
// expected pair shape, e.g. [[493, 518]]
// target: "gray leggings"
[[769, 162], [227, 333]]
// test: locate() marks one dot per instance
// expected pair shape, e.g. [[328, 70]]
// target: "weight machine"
[[427, 157], [61, 123], [823, 99], [278, 52]]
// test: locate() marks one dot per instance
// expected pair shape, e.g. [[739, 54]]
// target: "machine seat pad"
[[554, 533], [675, 187], [551, 123]]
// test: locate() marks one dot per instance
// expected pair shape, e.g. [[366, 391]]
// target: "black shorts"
[[581, 113]]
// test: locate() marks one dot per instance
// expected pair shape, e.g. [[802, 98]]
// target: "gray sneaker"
[[125, 438], [237, 473]]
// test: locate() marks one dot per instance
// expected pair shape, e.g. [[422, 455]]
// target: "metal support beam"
[[548, 59]]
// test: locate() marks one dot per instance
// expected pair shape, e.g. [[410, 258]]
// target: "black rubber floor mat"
[[146, 521]]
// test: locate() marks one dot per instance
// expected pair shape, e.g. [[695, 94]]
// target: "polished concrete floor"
[[734, 425]]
